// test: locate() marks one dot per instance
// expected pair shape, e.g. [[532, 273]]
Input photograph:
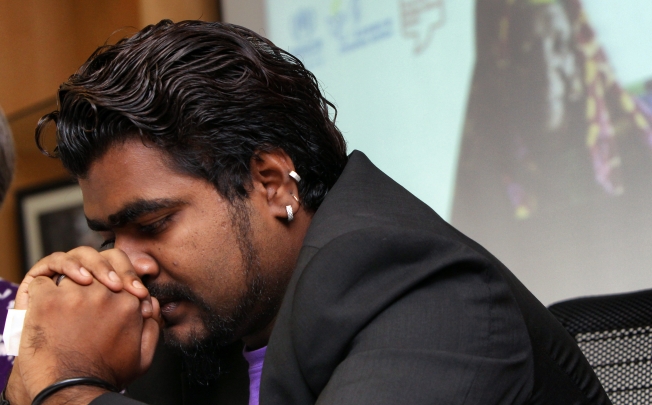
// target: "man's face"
[[194, 250]]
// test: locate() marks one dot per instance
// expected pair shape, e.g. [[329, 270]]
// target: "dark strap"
[[69, 382]]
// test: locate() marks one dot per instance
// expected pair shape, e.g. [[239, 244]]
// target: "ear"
[[272, 183]]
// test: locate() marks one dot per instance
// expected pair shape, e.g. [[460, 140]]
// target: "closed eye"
[[155, 227]]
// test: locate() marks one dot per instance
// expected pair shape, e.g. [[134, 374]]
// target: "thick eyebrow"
[[132, 211]]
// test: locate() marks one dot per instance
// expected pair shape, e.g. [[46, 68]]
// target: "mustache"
[[169, 292]]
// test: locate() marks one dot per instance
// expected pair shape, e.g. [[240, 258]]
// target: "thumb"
[[149, 339], [22, 296], [148, 343]]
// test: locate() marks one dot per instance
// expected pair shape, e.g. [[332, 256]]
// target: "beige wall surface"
[[248, 13], [41, 44]]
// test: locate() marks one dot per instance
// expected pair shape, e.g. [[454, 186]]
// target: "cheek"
[[204, 254]]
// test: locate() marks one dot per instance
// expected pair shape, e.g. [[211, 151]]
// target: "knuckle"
[[40, 268], [82, 250], [37, 283], [128, 303], [130, 273], [104, 264], [120, 262], [39, 296], [55, 257], [68, 260], [98, 265], [99, 295], [114, 253]]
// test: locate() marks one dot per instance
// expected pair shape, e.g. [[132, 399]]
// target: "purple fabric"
[[7, 296], [255, 359]]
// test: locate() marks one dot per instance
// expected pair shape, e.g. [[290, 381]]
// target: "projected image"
[[646, 94], [553, 138], [399, 72], [526, 123], [547, 114]]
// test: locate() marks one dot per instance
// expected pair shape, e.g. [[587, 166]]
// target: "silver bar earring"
[[295, 176], [288, 208]]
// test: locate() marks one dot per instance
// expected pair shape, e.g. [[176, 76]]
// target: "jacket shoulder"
[[394, 289]]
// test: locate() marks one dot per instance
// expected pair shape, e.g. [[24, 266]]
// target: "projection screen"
[[527, 124]]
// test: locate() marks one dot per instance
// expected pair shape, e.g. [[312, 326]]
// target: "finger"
[[40, 283], [125, 271], [146, 308], [50, 266], [40, 288], [61, 263], [151, 309], [151, 333], [97, 264], [148, 343], [22, 295], [58, 278], [156, 312]]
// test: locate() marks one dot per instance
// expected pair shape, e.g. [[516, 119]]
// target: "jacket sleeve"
[[387, 316]]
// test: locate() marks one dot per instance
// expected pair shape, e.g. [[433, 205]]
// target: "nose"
[[145, 265]]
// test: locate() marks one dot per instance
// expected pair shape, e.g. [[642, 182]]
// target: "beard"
[[202, 351]]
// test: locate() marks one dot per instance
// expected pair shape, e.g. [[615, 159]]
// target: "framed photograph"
[[52, 220]]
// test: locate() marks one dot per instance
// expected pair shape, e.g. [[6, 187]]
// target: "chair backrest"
[[615, 334]]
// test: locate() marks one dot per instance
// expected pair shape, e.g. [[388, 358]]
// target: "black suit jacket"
[[391, 305]]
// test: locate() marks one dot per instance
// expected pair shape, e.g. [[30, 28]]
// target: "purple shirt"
[[7, 296], [255, 359]]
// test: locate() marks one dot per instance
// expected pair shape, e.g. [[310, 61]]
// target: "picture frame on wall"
[[52, 220]]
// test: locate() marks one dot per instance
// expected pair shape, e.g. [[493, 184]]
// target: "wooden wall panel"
[[153, 11], [43, 43], [37, 39]]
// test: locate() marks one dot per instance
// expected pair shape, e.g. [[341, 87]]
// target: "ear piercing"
[[295, 176], [288, 208]]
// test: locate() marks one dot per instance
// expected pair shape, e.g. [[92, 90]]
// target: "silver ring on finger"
[[59, 278]]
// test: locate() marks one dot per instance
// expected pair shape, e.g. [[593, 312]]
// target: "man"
[[209, 161]]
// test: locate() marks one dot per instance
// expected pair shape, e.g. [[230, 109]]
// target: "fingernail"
[[114, 276], [137, 284], [84, 272], [147, 307]]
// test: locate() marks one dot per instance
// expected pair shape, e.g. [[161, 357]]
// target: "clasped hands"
[[100, 321]]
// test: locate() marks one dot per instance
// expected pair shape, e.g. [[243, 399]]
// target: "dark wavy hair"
[[211, 95]]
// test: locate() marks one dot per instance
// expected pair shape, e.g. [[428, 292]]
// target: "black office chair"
[[615, 334]]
